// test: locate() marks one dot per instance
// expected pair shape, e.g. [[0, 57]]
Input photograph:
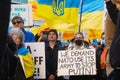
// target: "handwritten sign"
[[24, 11], [37, 51], [76, 62]]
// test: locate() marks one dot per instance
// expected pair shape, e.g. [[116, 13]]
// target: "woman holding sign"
[[79, 45]]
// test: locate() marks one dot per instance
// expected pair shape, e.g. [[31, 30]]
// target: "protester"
[[41, 36], [110, 26], [114, 48], [101, 55], [79, 45], [71, 44], [96, 42], [19, 23], [4, 23], [79, 41], [65, 46], [103, 41], [25, 68], [51, 51], [9, 61], [109, 32]]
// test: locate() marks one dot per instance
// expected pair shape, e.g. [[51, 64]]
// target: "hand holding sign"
[[51, 77]]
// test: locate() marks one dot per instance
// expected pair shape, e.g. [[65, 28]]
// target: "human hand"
[[107, 0], [51, 77]]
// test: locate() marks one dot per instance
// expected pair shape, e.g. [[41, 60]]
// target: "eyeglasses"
[[18, 22]]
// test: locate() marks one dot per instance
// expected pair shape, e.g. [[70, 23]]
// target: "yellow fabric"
[[36, 29], [68, 35], [39, 38], [90, 20], [94, 34], [28, 65], [70, 17], [63, 27], [34, 8]]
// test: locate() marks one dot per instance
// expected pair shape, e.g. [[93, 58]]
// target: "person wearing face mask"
[[79, 45], [77, 42]]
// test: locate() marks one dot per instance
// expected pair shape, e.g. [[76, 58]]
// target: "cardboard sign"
[[37, 50], [77, 62], [24, 11]]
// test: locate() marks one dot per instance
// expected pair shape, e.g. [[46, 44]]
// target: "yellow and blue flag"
[[63, 15], [92, 14], [57, 12]]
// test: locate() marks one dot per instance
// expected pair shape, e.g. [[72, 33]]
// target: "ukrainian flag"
[[92, 14], [57, 12]]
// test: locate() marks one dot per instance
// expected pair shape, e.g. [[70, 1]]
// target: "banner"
[[34, 8], [77, 62], [59, 12], [37, 51], [92, 14], [94, 34]]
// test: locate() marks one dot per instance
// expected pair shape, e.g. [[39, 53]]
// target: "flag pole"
[[81, 6]]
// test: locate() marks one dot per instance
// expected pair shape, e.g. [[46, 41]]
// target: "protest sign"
[[24, 11], [77, 62], [37, 51]]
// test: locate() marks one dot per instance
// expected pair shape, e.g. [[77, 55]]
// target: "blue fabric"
[[92, 6], [95, 41], [22, 51], [29, 37], [9, 29], [68, 3]]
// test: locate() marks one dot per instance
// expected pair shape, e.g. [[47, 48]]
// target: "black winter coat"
[[9, 61], [51, 59], [115, 46]]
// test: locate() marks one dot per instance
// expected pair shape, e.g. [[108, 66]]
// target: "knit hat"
[[53, 30]]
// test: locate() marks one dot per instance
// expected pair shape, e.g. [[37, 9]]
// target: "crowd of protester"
[[17, 62]]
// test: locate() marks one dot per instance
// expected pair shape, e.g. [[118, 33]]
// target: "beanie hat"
[[53, 30]]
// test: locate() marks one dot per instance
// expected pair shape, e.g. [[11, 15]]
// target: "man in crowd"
[[109, 32], [115, 46], [110, 26], [51, 51], [19, 23]]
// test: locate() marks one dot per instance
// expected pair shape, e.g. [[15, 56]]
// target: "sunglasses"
[[18, 22]]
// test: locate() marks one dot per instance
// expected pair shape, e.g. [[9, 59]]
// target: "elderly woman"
[[26, 68], [9, 61]]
